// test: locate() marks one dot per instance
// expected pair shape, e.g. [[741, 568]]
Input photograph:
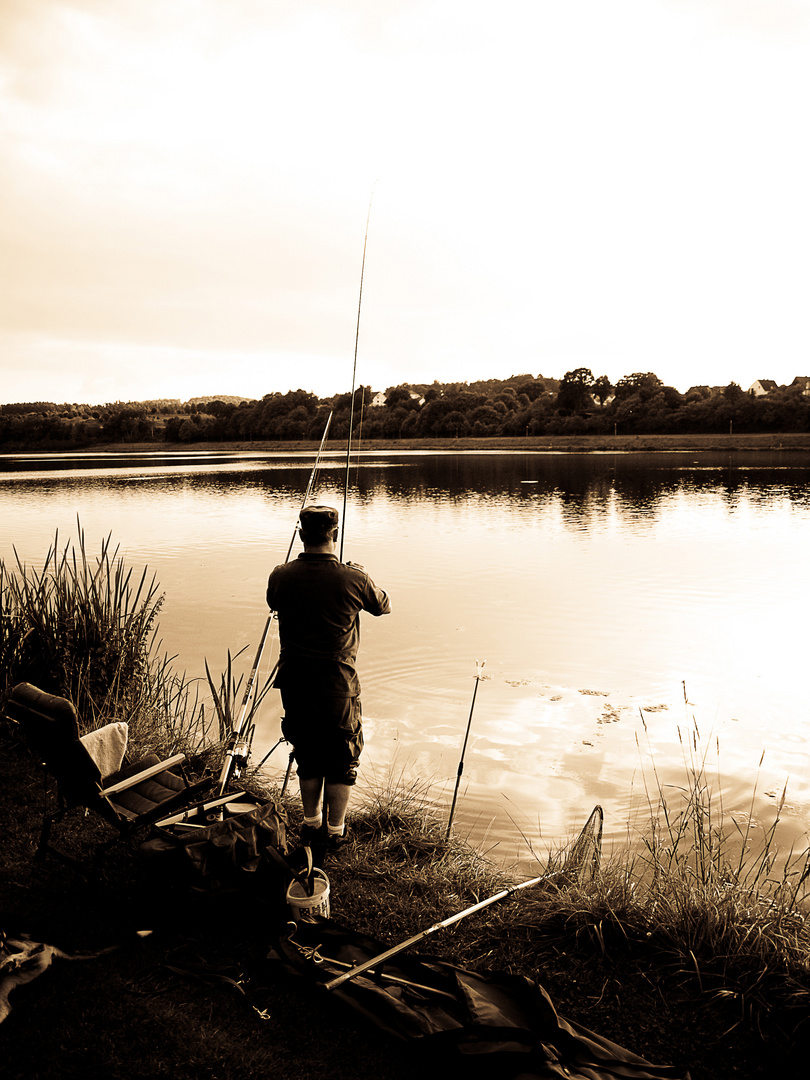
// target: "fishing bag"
[[211, 855]]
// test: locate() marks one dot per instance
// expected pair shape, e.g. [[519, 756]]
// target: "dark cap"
[[318, 519]]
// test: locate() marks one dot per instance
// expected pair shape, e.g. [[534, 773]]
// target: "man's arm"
[[377, 602], [271, 595]]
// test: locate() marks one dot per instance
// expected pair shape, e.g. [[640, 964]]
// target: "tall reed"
[[86, 629], [725, 914]]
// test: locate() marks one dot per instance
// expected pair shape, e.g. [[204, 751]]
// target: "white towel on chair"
[[107, 746]]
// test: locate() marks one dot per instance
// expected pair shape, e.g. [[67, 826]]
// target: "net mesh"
[[583, 857]]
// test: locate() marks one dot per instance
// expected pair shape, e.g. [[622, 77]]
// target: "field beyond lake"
[[561, 443]]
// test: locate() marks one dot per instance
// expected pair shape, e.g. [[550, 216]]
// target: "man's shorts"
[[326, 734]]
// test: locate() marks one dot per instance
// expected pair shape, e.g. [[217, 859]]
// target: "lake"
[[634, 613]]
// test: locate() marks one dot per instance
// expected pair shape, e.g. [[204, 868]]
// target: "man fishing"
[[318, 600]]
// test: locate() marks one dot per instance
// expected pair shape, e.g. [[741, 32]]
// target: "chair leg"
[[48, 819], [43, 847]]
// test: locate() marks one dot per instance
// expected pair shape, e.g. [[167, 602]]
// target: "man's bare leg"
[[311, 796], [337, 801]]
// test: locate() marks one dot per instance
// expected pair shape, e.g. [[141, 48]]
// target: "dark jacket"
[[318, 600]]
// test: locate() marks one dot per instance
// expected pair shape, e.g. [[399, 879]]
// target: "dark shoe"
[[309, 836], [334, 843]]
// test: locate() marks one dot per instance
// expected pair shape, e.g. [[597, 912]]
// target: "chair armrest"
[[131, 781], [193, 809]]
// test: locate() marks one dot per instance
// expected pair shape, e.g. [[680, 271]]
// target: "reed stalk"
[[86, 628], [723, 918]]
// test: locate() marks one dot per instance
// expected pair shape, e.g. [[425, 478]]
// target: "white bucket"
[[306, 908]]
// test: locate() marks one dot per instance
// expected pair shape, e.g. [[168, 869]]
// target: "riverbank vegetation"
[[520, 407], [85, 628], [690, 947]]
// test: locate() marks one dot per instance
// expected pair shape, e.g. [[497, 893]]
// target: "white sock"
[[314, 822], [336, 830]]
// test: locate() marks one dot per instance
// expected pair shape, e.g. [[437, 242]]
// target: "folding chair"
[[89, 770]]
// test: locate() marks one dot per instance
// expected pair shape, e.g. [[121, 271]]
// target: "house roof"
[[766, 384]]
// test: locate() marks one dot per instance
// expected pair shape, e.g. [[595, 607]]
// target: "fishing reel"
[[239, 754]]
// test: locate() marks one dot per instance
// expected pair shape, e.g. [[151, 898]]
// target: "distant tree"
[[171, 432], [465, 400], [602, 388], [452, 425], [317, 423], [431, 415], [574, 393], [508, 398], [532, 388], [485, 420], [642, 383], [398, 396], [733, 392], [189, 431]]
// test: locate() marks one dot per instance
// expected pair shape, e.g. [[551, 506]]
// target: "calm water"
[[618, 602]]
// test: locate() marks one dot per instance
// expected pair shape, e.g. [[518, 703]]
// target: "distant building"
[[379, 398], [804, 382], [760, 387]]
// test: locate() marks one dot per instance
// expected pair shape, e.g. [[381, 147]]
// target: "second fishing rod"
[[238, 751]]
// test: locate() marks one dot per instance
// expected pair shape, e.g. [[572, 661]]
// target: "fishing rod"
[[237, 754], [354, 380], [375, 961], [479, 668], [310, 484], [588, 843]]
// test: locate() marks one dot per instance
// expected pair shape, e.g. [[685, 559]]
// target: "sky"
[[185, 187]]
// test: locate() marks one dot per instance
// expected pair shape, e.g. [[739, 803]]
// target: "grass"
[[778, 440], [641, 954], [690, 946], [731, 909], [86, 628]]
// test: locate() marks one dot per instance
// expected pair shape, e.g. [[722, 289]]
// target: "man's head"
[[318, 526]]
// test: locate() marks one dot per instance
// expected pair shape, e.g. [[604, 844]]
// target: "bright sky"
[[184, 187]]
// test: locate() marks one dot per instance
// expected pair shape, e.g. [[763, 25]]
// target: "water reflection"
[[596, 587]]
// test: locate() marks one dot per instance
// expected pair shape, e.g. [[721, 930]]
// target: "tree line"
[[522, 405]]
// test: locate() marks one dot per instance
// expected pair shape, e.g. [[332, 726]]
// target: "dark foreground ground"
[[197, 999]]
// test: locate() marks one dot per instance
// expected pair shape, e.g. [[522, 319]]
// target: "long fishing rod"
[[375, 961], [310, 485], [236, 756], [587, 846], [479, 667], [354, 380]]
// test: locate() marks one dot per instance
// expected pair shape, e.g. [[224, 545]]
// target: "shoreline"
[[731, 443]]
